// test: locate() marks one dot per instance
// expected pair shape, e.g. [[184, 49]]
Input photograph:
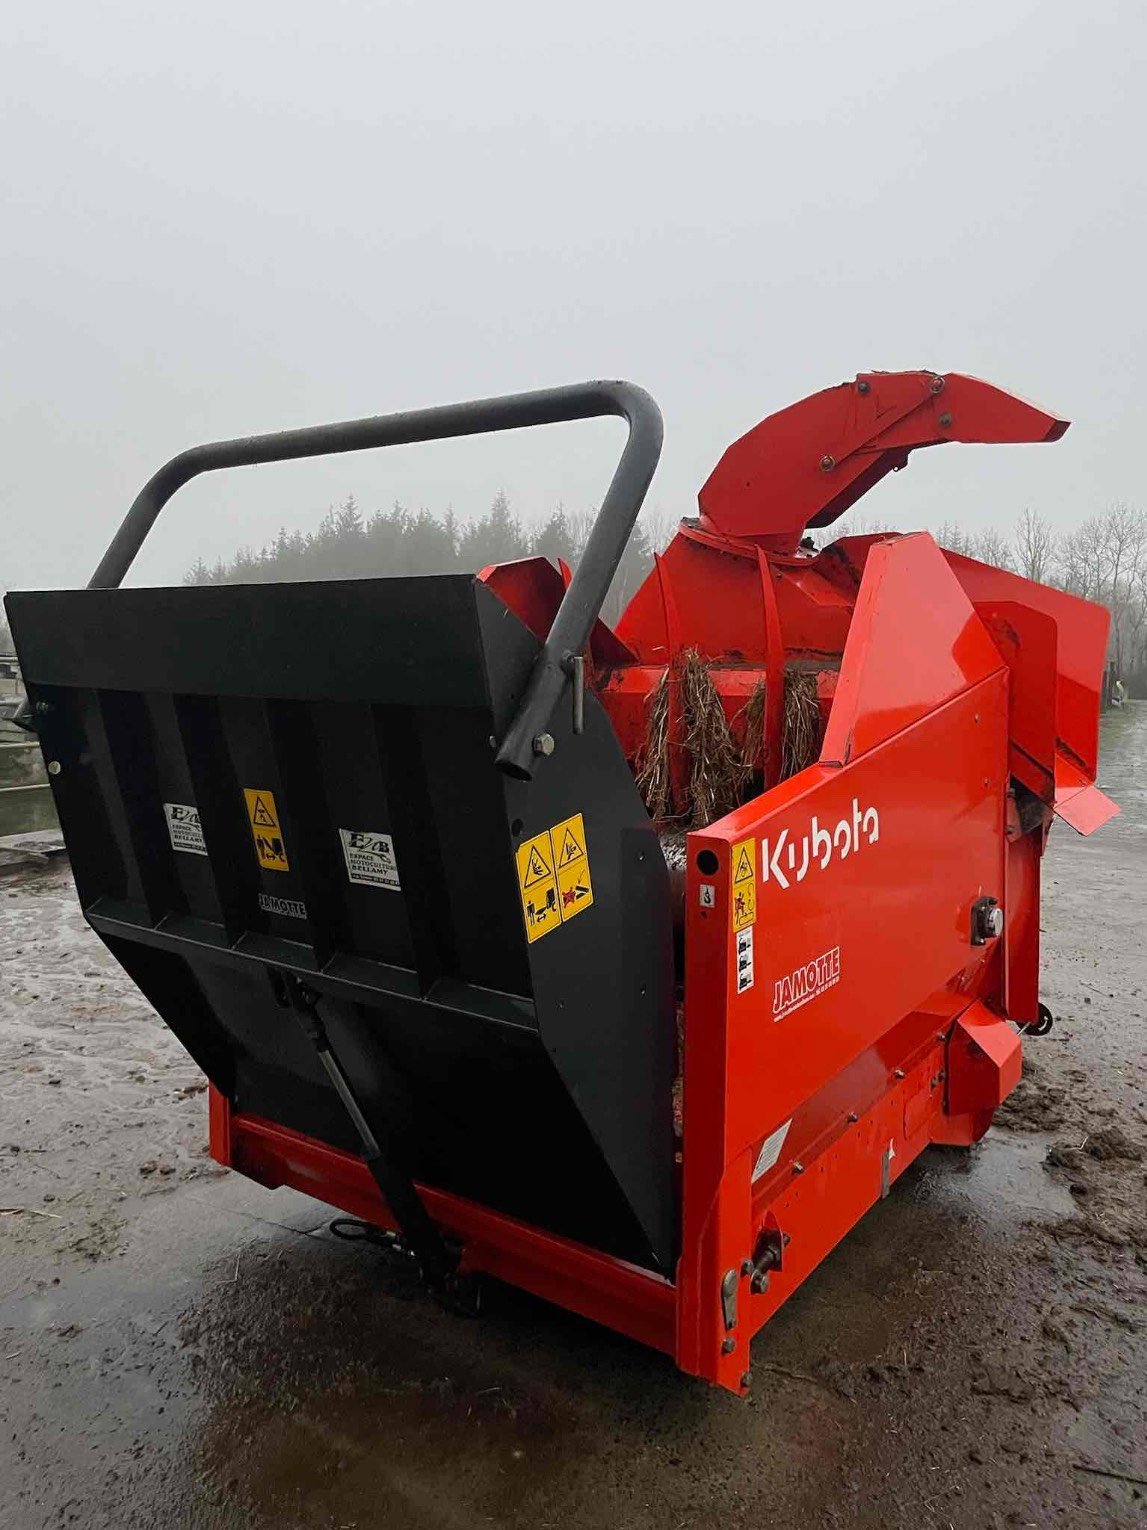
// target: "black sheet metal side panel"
[[535, 1078]]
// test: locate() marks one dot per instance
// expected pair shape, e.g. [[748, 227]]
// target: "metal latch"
[[729, 1298]]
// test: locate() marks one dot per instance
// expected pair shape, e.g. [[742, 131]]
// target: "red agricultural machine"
[[629, 967]]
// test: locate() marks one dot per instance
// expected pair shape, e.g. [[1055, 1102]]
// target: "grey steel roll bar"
[[548, 406]]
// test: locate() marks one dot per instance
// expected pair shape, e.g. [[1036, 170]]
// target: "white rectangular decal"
[[370, 858], [771, 1150], [184, 828], [744, 959]]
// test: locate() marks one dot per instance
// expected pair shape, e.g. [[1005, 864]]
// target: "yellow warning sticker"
[[553, 877], [743, 904], [538, 886], [263, 816], [575, 890]]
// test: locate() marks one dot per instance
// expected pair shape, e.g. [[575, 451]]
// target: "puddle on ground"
[[1123, 764], [1002, 1173]]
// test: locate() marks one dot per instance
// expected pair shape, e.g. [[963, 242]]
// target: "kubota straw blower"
[[630, 966]]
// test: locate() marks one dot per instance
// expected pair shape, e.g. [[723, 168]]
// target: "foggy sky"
[[227, 218]]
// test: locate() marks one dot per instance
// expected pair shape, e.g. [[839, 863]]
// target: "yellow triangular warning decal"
[[536, 868], [570, 850], [744, 871], [263, 816]]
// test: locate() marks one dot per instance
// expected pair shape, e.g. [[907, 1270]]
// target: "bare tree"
[[1082, 558], [581, 524], [956, 539], [991, 546], [854, 524], [1124, 555], [660, 527], [1034, 545]]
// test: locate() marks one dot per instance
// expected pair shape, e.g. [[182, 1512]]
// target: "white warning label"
[[771, 1150], [744, 959], [370, 858], [184, 828]]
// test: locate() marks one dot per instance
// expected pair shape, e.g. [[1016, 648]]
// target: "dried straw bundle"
[[752, 720], [717, 771], [722, 772], [802, 722], [652, 773]]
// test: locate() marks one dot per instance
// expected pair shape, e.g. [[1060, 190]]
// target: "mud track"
[[180, 1347]]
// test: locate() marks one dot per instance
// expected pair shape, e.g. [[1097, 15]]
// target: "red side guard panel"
[[1044, 632], [866, 870], [914, 641], [1029, 641]]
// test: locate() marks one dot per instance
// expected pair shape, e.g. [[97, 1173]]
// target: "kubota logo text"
[[805, 983], [785, 860]]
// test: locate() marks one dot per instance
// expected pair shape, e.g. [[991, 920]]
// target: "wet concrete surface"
[[179, 1346]]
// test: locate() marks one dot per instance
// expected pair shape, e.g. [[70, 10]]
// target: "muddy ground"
[[180, 1347]]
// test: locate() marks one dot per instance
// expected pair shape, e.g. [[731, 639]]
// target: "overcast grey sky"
[[224, 218]]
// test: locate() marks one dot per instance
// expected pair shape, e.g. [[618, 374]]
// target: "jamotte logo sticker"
[[783, 858], [270, 903], [806, 983]]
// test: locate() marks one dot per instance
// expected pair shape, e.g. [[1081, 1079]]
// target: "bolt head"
[[759, 1283], [994, 922], [862, 386], [747, 1379], [544, 744], [827, 463], [54, 767], [937, 385], [945, 420], [728, 1346]]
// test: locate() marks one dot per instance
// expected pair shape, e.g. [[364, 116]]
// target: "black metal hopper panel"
[[533, 1077]]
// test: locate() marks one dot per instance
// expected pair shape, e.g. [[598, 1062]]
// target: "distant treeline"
[[349, 545], [1103, 559]]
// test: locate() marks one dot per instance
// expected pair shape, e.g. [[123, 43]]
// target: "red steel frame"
[[942, 683]]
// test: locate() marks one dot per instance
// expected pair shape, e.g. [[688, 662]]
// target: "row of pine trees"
[[349, 545]]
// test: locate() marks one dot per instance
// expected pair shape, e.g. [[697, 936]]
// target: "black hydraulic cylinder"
[[437, 1262]]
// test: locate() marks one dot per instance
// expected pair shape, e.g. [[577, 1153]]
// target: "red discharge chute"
[[807, 464]]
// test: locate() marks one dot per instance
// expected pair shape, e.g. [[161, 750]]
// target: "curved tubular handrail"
[[548, 406]]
